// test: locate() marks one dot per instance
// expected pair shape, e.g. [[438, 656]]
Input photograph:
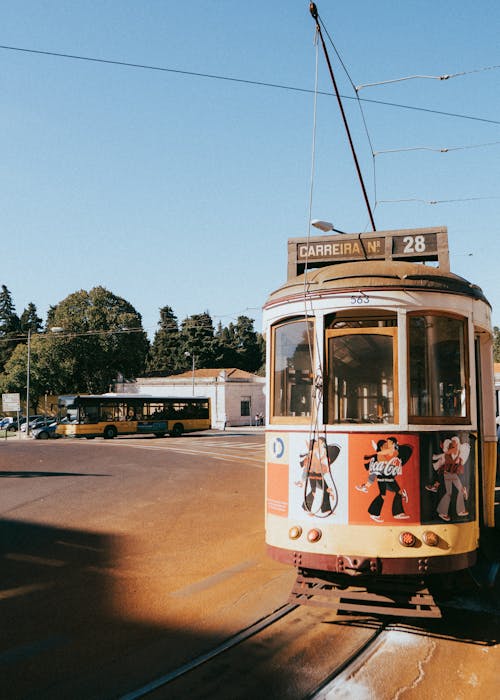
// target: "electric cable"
[[426, 77], [257, 83]]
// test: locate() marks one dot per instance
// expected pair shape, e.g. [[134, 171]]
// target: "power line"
[[426, 77], [434, 201], [436, 149], [257, 83]]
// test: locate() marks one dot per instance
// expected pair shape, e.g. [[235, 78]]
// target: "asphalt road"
[[123, 558]]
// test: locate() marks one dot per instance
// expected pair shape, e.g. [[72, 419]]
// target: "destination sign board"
[[416, 245]]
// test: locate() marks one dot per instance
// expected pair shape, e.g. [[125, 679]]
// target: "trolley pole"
[[314, 12]]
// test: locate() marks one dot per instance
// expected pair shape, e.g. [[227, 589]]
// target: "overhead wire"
[[441, 150], [244, 81], [446, 76], [436, 149], [436, 201]]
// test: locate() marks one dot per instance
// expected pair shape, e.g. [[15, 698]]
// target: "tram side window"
[[292, 378], [438, 367], [361, 376]]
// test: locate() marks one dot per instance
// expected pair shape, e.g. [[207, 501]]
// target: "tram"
[[381, 437]]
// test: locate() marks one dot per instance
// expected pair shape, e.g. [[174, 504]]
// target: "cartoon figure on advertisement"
[[383, 467], [320, 492], [449, 464]]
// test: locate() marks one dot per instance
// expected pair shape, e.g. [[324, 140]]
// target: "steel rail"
[[228, 644], [348, 667]]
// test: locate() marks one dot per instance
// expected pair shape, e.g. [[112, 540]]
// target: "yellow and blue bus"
[[110, 415]]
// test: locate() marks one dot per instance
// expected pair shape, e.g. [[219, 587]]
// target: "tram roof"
[[375, 274]]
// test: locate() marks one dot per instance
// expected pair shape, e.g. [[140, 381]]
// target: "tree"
[[225, 345], [9, 326], [30, 319], [197, 339], [164, 357], [238, 345], [102, 339], [247, 345], [45, 375]]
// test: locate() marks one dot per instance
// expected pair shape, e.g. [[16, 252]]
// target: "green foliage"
[[239, 345], [164, 357], [102, 338], [9, 326], [235, 345], [45, 375], [197, 338], [30, 319]]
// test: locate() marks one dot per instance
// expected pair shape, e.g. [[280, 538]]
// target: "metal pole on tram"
[[314, 13]]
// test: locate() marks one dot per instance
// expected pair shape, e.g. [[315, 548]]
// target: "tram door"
[[486, 428]]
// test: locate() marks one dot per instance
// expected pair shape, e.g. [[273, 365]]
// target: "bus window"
[[292, 368], [110, 412], [361, 375], [437, 367], [154, 411], [89, 413]]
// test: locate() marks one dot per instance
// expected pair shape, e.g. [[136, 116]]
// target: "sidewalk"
[[243, 429]]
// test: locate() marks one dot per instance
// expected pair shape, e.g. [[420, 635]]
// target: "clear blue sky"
[[180, 190]]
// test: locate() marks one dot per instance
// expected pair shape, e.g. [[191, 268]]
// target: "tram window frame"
[[435, 418], [292, 417], [385, 331]]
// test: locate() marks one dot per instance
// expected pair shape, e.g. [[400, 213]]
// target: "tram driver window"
[[292, 378], [361, 375], [438, 368]]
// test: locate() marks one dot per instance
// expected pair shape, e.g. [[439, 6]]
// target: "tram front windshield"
[[361, 378]]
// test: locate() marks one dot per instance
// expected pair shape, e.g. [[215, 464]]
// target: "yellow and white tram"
[[381, 437]]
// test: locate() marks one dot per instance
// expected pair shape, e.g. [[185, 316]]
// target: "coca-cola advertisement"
[[384, 478]]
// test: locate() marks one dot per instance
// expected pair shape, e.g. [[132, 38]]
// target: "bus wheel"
[[177, 430], [110, 432]]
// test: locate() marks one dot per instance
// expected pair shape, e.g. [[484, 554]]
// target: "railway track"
[[291, 653]]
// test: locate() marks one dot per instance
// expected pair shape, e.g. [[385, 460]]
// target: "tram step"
[[395, 598]]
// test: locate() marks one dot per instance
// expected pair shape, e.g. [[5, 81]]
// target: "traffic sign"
[[11, 402]]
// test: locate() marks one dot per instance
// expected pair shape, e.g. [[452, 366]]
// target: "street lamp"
[[325, 226], [188, 354]]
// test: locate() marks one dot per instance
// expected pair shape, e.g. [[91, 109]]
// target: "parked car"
[[34, 420], [12, 425], [44, 432], [5, 422]]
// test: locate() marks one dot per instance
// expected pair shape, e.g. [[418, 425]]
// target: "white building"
[[236, 396]]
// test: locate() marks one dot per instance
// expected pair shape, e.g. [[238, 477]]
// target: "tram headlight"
[[295, 532], [407, 539], [314, 535], [430, 538]]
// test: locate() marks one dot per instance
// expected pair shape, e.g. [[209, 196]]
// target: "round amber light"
[[314, 535], [430, 538], [407, 539], [295, 532]]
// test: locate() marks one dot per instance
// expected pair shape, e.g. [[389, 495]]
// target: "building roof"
[[230, 373], [224, 373]]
